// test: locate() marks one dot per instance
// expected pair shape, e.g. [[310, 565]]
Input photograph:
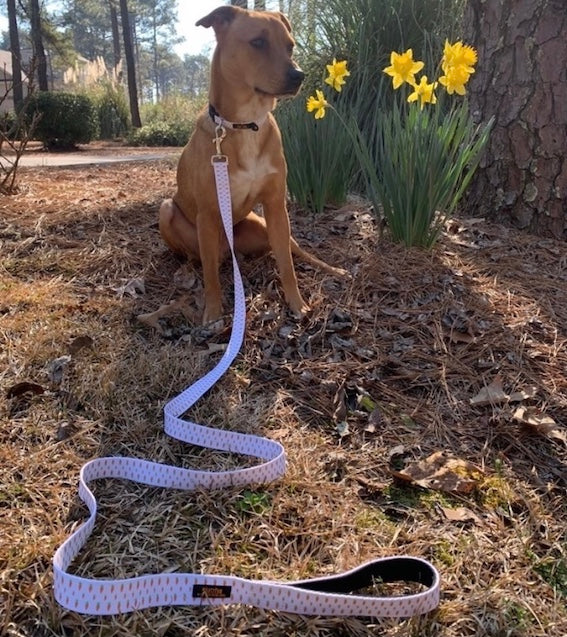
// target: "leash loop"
[[336, 595]]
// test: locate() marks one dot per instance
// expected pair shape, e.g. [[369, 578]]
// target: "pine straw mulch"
[[380, 375]]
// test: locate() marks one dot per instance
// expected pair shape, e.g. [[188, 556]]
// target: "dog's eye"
[[258, 43]]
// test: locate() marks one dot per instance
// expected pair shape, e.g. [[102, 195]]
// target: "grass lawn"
[[459, 350]]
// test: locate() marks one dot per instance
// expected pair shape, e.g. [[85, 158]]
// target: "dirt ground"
[[459, 350]]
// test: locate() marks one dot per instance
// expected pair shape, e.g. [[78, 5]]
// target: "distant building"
[[6, 81]]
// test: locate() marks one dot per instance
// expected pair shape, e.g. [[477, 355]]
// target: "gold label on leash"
[[206, 591]]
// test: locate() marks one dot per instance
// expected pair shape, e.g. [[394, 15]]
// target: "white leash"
[[327, 596]]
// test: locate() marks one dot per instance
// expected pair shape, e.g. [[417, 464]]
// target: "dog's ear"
[[220, 18], [284, 19]]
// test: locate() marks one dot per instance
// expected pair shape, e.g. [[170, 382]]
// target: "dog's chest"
[[248, 178]]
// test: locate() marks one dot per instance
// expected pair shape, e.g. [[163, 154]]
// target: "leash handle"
[[328, 596]]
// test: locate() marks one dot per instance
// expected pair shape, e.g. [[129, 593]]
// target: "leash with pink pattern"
[[326, 596]]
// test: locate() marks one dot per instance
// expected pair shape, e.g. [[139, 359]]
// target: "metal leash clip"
[[220, 134]]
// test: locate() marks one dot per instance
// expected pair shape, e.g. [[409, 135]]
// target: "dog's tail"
[[309, 258]]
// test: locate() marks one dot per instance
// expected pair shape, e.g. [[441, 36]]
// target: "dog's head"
[[255, 49]]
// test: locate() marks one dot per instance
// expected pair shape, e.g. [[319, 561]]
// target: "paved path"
[[84, 157]]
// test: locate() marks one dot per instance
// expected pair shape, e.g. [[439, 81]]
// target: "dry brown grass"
[[423, 333]]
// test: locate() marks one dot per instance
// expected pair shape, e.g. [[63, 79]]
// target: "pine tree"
[[38, 48], [130, 65], [521, 80], [17, 89]]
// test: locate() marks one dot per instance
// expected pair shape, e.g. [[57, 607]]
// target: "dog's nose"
[[295, 76]]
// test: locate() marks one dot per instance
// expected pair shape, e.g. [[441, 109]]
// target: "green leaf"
[[366, 403]]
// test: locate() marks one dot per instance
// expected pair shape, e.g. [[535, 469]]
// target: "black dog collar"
[[220, 121]]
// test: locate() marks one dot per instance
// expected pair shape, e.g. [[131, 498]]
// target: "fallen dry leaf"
[[339, 321], [23, 388], [343, 429], [398, 450], [442, 473], [523, 394], [214, 348], [540, 423], [79, 343], [339, 405], [57, 368], [184, 279], [459, 337], [375, 419], [134, 287], [460, 514], [493, 394]]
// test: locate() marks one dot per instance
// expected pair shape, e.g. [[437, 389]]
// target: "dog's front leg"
[[209, 235], [279, 233]]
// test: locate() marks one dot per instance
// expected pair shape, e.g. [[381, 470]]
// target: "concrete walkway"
[[87, 156], [75, 159]]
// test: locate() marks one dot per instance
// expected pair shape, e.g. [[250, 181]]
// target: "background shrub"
[[112, 110], [161, 134], [66, 119], [8, 126], [169, 122]]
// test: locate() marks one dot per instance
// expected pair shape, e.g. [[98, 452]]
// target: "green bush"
[[112, 110], [66, 119], [161, 134], [169, 122], [173, 108], [8, 124]]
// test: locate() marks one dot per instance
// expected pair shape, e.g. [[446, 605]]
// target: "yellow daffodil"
[[423, 92], [458, 54], [403, 68], [455, 79], [337, 73], [317, 104]]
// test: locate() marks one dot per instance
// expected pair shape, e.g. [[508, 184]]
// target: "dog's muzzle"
[[295, 77]]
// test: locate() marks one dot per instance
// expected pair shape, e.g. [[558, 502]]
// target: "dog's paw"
[[344, 274], [212, 313], [298, 308]]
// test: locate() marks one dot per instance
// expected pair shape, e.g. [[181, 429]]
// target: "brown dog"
[[252, 66]]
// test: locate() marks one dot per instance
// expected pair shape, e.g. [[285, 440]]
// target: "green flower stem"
[[421, 166]]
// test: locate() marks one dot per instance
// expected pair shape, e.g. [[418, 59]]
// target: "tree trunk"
[[17, 89], [130, 66], [260, 5], [155, 55], [37, 43], [117, 53], [521, 80], [239, 3]]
